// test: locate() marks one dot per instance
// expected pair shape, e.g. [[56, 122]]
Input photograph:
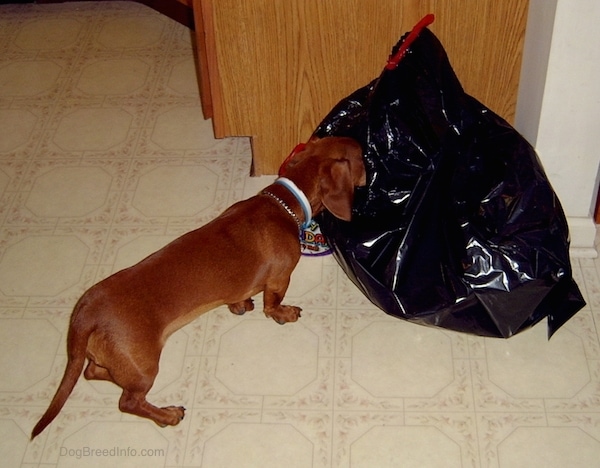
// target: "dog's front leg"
[[272, 296]]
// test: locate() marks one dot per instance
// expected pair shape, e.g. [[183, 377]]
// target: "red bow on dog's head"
[[299, 147]]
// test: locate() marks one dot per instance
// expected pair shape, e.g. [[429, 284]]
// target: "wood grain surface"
[[277, 67]]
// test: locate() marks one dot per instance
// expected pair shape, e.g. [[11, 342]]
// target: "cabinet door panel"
[[278, 66]]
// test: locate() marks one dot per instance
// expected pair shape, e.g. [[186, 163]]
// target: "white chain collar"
[[299, 195], [285, 206]]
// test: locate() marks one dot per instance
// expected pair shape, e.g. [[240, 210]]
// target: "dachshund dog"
[[121, 324]]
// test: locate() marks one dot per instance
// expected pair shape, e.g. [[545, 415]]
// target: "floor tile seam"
[[121, 201], [163, 61], [66, 223], [475, 409], [36, 101], [276, 409], [583, 285], [190, 408], [78, 52], [29, 161], [72, 404], [477, 432], [545, 413], [551, 411], [75, 404], [47, 131], [334, 348], [596, 322], [36, 309], [410, 411], [4, 214], [14, 312], [44, 220]]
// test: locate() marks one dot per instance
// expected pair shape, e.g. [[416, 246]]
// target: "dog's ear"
[[337, 188], [340, 177], [357, 166]]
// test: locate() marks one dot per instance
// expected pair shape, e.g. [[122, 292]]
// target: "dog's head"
[[327, 170]]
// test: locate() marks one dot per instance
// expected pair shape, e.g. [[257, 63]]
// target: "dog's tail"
[[77, 340]]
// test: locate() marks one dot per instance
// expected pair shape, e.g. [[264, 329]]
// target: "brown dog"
[[121, 324]]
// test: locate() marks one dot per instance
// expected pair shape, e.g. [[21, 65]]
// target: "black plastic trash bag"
[[458, 226]]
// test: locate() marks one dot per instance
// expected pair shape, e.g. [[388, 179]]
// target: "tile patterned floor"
[[104, 157]]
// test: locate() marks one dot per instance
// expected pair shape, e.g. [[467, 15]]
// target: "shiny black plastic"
[[458, 226]]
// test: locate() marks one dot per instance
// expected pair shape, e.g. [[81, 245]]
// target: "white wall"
[[558, 109]]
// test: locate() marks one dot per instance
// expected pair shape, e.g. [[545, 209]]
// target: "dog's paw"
[[284, 314], [173, 415], [240, 308]]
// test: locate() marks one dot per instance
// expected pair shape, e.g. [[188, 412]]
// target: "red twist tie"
[[394, 60]]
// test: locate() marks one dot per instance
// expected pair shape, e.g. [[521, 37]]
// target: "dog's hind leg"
[[136, 377], [95, 372], [134, 401]]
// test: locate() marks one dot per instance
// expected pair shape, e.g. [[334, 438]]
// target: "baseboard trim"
[[583, 236]]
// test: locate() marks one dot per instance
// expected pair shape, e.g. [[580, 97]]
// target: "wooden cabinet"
[[272, 69]]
